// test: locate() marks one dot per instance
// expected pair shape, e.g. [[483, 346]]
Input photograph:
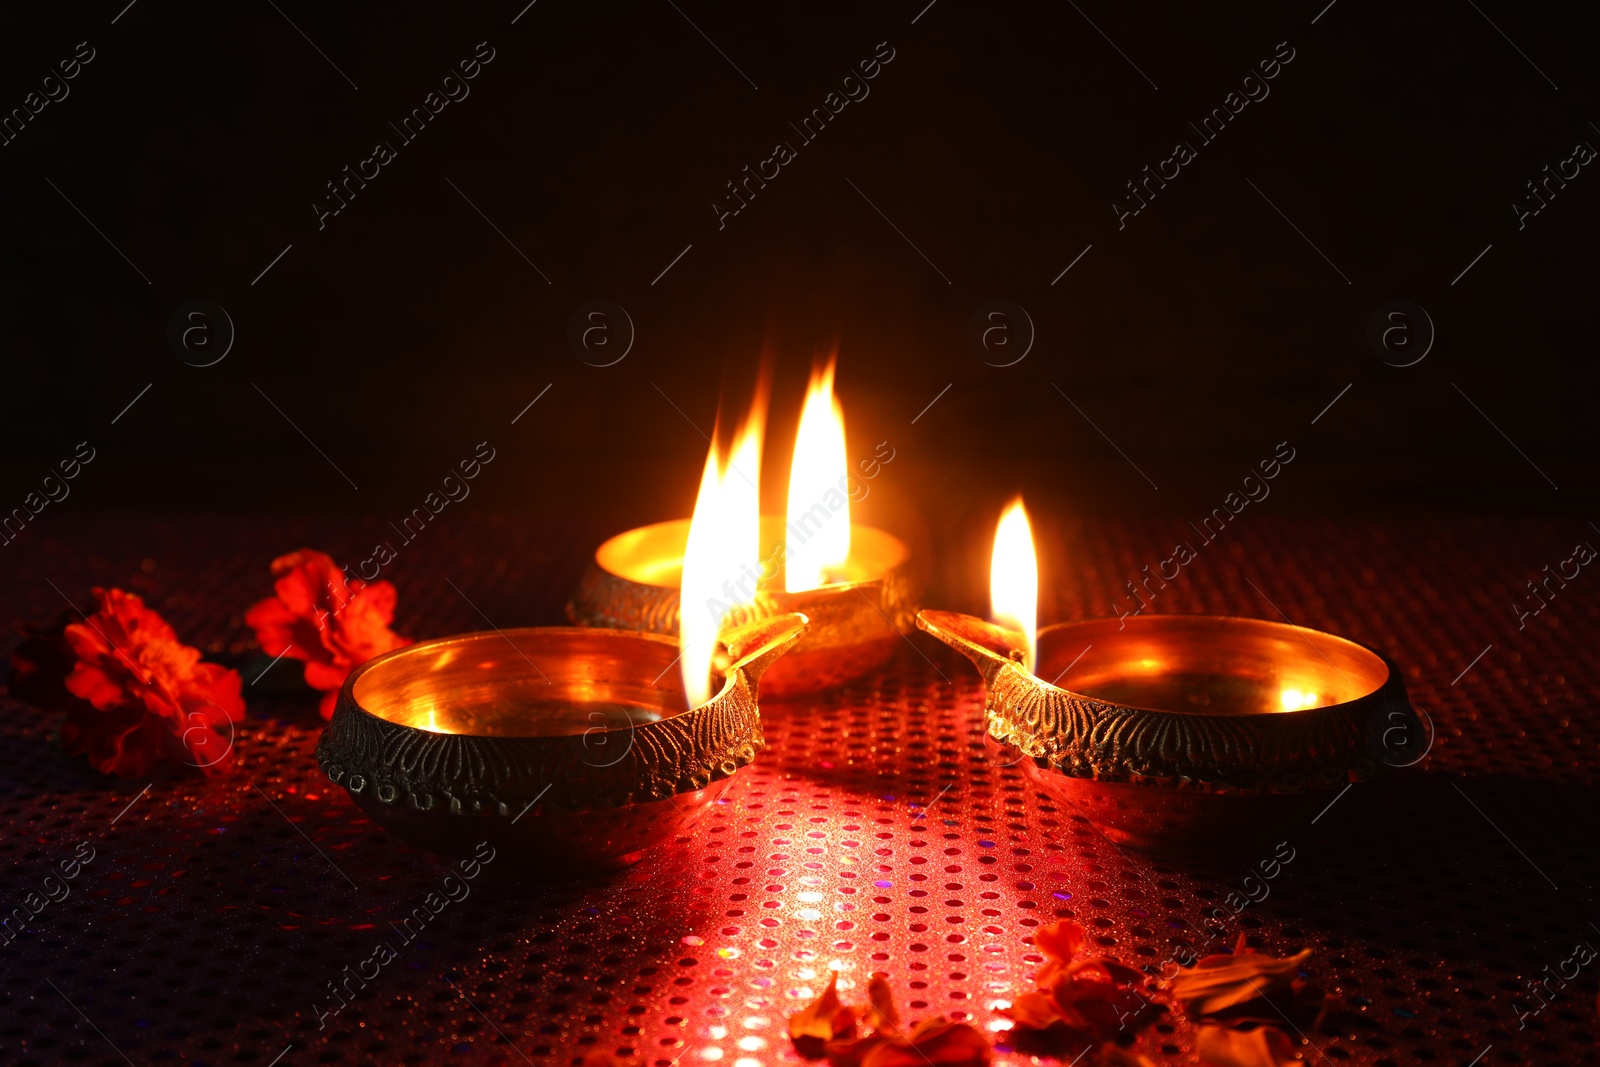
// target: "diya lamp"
[[569, 750], [1176, 733], [854, 582]]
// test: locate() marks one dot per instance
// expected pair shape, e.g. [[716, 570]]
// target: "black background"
[[407, 330]]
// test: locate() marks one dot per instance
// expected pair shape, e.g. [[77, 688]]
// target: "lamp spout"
[[989, 647], [755, 646]]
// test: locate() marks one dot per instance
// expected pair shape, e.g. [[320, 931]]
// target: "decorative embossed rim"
[[1087, 737], [470, 774]]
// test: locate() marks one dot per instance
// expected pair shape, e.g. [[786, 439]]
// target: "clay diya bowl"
[[1188, 733], [568, 750]]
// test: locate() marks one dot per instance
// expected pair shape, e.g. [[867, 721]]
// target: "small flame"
[[1014, 578], [818, 535], [721, 560]]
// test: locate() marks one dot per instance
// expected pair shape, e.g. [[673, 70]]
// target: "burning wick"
[[1014, 579]]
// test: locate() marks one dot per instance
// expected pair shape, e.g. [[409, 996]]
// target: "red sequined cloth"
[[871, 836]]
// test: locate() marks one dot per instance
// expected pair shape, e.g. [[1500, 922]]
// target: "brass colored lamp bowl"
[[1183, 733], [855, 623], [568, 750]]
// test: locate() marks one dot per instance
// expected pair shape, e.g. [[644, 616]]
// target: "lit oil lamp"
[[1174, 733], [571, 751], [852, 581]]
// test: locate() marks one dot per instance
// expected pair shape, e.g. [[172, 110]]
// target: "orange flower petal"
[[1033, 1011], [1098, 1009], [1216, 983], [937, 1042], [1061, 942], [880, 1013], [1264, 1046], [90, 683], [852, 1052], [1082, 999], [381, 597], [823, 1020], [318, 616], [1104, 968], [123, 741], [149, 696], [1117, 1056]]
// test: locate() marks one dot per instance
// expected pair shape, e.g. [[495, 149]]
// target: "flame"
[[818, 535], [721, 560], [1014, 578]]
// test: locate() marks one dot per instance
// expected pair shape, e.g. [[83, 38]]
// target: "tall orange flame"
[[818, 536], [722, 558], [1014, 578]]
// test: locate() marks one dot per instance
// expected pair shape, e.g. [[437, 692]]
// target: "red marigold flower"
[[148, 697], [334, 625]]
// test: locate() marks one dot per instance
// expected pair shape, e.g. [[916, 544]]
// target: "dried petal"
[[1033, 1011], [853, 1052], [937, 1042], [1330, 1007], [1265, 1046], [1105, 969], [1100, 1010], [1216, 983], [823, 1020], [1117, 1056], [1082, 999], [880, 1013], [1057, 1041], [1061, 942]]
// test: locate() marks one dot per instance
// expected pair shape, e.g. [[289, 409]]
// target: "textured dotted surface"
[[872, 836]]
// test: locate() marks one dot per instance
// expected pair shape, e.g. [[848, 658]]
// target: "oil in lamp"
[[1172, 733], [852, 581]]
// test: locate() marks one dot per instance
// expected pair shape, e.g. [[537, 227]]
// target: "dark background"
[[406, 331]]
